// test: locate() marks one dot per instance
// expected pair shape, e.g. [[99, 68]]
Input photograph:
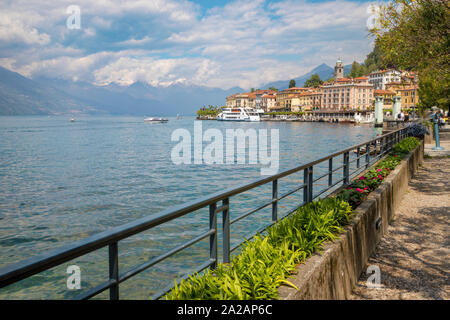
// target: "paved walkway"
[[414, 255]]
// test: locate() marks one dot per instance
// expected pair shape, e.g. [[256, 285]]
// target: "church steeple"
[[339, 69]]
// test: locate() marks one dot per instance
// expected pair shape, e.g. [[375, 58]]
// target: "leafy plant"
[[266, 262]]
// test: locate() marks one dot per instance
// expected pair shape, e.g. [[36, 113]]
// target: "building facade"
[[284, 98], [379, 79], [346, 94], [388, 97]]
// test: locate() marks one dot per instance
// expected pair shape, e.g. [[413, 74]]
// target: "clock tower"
[[339, 69]]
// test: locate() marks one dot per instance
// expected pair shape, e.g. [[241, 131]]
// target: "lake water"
[[62, 181]]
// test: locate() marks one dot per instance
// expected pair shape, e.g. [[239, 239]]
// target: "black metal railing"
[[354, 160]]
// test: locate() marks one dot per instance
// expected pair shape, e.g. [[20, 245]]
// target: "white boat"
[[364, 119], [155, 120], [72, 120], [239, 114]]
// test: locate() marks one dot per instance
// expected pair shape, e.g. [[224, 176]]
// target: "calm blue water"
[[62, 181]]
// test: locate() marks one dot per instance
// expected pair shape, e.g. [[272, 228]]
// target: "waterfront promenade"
[[413, 256]]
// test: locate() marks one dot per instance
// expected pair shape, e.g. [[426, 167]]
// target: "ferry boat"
[[155, 120], [239, 114]]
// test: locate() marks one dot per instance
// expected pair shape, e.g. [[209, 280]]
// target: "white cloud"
[[13, 31], [126, 71], [244, 43]]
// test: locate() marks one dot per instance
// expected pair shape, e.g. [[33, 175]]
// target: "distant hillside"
[[22, 96]]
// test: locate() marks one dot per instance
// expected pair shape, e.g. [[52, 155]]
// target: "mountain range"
[[44, 96]]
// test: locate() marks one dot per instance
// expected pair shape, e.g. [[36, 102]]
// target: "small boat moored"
[[156, 120]]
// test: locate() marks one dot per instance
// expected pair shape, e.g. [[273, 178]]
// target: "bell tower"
[[339, 69]]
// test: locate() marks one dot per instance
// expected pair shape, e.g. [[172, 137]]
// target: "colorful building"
[[379, 79], [347, 95], [388, 97], [284, 98]]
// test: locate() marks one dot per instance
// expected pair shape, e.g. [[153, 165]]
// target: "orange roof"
[[296, 88], [343, 80]]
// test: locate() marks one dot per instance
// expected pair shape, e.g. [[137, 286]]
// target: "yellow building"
[[284, 98], [410, 97], [388, 97], [407, 90]]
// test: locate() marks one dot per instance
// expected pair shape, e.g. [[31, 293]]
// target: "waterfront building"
[[231, 101], [268, 102], [248, 99], [388, 97], [380, 78], [410, 96], [347, 95], [408, 91], [284, 98], [307, 101]]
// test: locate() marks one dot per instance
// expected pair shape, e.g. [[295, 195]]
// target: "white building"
[[380, 78]]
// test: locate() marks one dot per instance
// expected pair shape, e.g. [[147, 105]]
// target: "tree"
[[292, 83], [273, 89], [252, 90], [314, 81], [357, 70], [415, 35]]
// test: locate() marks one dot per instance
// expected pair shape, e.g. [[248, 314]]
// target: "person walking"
[[406, 117]]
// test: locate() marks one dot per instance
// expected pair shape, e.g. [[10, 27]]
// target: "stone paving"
[[414, 255]]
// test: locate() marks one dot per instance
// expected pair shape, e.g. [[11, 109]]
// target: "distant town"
[[334, 97]]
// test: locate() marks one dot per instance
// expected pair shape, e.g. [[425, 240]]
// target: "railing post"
[[346, 168], [330, 172], [308, 181], [367, 155], [275, 196], [226, 231], [213, 237], [358, 150], [114, 270]]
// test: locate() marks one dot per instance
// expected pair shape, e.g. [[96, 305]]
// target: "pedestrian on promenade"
[[406, 117]]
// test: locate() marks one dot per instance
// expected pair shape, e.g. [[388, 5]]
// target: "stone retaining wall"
[[333, 273]]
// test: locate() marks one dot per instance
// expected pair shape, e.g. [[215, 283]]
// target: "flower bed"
[[266, 262], [359, 189]]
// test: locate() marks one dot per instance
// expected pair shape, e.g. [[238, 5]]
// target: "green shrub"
[[406, 146], [265, 263]]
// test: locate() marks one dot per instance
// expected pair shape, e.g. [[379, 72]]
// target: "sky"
[[213, 43]]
